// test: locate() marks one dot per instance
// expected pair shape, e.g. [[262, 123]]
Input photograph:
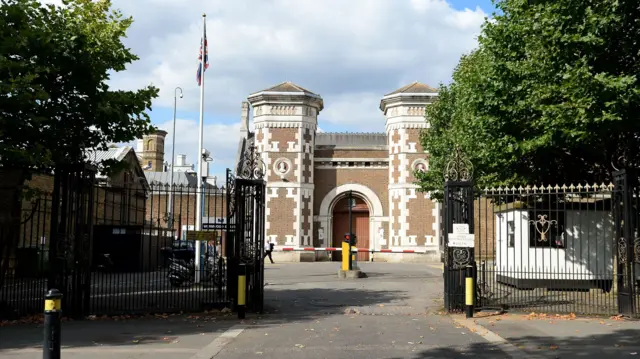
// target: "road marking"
[[216, 346], [493, 338]]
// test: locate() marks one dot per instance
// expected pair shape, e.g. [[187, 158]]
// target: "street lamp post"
[[173, 153]]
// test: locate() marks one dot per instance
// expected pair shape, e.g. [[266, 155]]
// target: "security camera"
[[205, 153], [181, 95]]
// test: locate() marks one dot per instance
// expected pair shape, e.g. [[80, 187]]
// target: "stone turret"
[[152, 156], [286, 120], [404, 111]]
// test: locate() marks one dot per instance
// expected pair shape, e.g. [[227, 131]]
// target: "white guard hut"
[[555, 246]]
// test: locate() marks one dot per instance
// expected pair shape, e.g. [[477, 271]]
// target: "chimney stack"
[[244, 120], [181, 160]]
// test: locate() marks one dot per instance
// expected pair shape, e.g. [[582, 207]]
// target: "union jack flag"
[[203, 50]]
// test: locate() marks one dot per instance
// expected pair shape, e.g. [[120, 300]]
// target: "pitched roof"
[[288, 86], [179, 179], [112, 153], [415, 87]]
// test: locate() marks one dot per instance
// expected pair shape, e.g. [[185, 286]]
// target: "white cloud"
[[350, 52], [221, 140], [367, 116], [334, 47]]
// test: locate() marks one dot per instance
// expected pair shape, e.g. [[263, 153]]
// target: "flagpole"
[[200, 149]]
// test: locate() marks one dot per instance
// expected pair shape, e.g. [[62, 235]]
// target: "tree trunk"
[[11, 186]]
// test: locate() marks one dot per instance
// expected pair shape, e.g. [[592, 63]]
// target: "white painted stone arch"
[[370, 197], [376, 212]]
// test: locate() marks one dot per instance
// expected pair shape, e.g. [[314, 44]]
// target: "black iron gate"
[[246, 228], [458, 209], [627, 243], [71, 232]]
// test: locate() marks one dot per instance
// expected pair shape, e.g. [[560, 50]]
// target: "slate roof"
[[113, 153], [288, 86], [415, 87]]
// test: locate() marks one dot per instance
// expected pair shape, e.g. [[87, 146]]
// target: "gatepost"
[[459, 258]]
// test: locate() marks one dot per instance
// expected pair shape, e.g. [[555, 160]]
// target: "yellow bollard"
[[345, 256], [242, 290], [469, 291]]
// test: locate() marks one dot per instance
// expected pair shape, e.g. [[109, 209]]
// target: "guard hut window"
[[511, 233]]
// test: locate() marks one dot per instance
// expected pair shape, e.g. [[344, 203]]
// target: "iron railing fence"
[[558, 249], [135, 233]]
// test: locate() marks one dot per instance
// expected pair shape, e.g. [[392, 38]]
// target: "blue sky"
[[351, 53]]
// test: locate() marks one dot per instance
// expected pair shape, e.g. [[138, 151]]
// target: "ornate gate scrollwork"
[[458, 168], [251, 164], [461, 257]]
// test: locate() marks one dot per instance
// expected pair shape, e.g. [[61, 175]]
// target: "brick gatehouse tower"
[[310, 174]]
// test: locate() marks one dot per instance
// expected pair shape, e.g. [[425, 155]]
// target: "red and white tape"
[[334, 249]]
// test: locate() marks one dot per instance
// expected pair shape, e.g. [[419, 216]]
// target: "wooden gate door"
[[361, 224], [340, 227]]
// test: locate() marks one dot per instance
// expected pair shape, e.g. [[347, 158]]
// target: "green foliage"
[[55, 102], [550, 96]]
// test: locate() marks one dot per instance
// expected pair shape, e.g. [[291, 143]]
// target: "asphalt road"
[[394, 313]]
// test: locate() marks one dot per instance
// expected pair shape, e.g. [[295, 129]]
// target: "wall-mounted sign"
[[461, 240], [201, 236], [461, 228]]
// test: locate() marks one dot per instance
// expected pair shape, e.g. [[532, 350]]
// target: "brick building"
[[310, 174]]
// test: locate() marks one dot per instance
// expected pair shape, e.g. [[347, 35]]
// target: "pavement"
[[559, 336], [161, 336], [310, 313]]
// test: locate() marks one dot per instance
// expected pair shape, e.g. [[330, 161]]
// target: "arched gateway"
[[366, 214]]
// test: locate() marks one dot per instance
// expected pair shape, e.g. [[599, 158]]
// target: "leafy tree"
[[551, 95], [55, 102]]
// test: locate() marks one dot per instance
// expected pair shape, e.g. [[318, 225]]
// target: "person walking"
[[268, 249]]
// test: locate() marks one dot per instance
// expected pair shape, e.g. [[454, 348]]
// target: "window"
[[511, 234], [547, 229]]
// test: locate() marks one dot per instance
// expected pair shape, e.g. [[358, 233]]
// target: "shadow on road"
[[617, 344], [158, 329], [282, 305], [295, 293]]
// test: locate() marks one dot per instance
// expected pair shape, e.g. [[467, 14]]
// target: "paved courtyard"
[[310, 313]]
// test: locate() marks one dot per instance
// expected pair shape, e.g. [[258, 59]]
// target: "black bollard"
[[52, 316]]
